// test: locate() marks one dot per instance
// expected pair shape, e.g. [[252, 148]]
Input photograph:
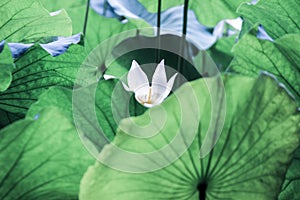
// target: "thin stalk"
[[105, 6], [185, 16], [183, 38], [157, 57], [86, 17]]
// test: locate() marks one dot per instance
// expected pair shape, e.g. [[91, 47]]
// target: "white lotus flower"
[[145, 94]]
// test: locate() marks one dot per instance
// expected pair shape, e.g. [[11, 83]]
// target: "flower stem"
[[183, 37], [185, 15], [105, 6], [86, 17], [202, 186], [158, 32]]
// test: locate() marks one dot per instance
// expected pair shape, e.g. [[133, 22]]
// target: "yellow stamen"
[[149, 96]]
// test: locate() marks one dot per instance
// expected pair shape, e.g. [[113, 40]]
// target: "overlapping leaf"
[[249, 161], [281, 58], [171, 21], [208, 12], [44, 158], [28, 21], [6, 65], [99, 28], [91, 106], [221, 52], [291, 185], [34, 72], [279, 17]]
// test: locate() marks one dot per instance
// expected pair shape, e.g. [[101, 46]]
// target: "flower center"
[[146, 98]]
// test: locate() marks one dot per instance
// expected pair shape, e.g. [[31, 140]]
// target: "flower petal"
[[125, 86], [159, 76], [107, 77], [136, 78], [169, 86]]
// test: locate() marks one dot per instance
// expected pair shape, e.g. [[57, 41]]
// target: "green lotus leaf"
[[42, 158], [208, 12], [280, 58], [278, 17], [59, 97], [221, 52], [6, 65], [99, 28], [291, 185], [84, 103], [164, 161], [29, 21], [35, 72]]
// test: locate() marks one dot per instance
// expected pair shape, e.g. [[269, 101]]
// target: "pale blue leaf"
[[228, 27], [171, 21], [262, 34], [61, 45], [2, 45], [102, 7], [17, 49]]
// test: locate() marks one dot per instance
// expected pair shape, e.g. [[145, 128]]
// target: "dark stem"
[[158, 32], [86, 17], [185, 15], [202, 190], [183, 38], [105, 6]]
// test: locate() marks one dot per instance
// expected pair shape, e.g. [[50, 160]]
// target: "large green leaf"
[[249, 161], [28, 20], [42, 158], [221, 52], [208, 12], [99, 28], [291, 185], [59, 97], [281, 58], [34, 72], [6, 65], [279, 17], [90, 106], [75, 9]]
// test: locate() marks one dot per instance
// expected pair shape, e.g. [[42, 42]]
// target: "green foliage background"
[[256, 157]]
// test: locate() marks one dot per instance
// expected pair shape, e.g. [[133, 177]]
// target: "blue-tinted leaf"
[[61, 45], [262, 34], [102, 7], [208, 12], [99, 28], [228, 27], [18, 49], [171, 21]]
